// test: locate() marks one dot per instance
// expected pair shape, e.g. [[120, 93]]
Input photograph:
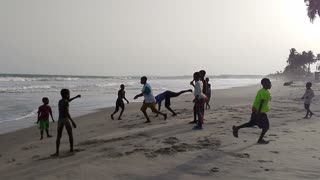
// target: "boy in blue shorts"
[[259, 112], [166, 96], [43, 117]]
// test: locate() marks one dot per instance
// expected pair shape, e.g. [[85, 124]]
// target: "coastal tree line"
[[300, 63]]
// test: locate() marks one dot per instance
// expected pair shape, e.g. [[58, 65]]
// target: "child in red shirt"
[[43, 117]]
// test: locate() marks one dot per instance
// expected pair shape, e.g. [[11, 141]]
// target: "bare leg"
[[146, 115], [48, 135], [69, 130], [261, 140], [116, 110], [173, 113], [122, 109], [60, 129], [41, 134]]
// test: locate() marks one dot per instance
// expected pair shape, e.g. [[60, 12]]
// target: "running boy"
[[149, 100], [308, 95], [166, 96], [64, 119], [119, 102], [259, 110], [43, 117]]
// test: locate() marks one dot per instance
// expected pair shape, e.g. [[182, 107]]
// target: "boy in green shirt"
[[260, 108]]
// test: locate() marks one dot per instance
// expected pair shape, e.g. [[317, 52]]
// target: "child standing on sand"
[[199, 100], [119, 102], [308, 95], [259, 110], [43, 117], [208, 94], [149, 100], [64, 119]]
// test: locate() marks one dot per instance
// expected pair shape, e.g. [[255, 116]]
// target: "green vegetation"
[[299, 63], [313, 8]]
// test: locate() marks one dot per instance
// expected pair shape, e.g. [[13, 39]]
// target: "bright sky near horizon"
[[152, 37]]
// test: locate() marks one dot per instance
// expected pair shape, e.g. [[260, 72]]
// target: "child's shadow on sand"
[[61, 156]]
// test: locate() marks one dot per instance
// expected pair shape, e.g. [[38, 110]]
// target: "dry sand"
[[170, 150]]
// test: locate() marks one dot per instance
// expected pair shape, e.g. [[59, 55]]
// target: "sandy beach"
[[168, 150]]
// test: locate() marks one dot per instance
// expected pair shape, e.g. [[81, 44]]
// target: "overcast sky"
[[152, 37]]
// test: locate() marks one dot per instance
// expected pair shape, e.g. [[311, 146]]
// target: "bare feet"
[[235, 131], [262, 141]]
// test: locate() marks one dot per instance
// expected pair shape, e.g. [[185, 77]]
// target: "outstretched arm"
[[51, 116], [38, 118], [78, 96], [138, 95]]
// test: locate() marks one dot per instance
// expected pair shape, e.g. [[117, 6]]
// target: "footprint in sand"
[[11, 160], [171, 140], [275, 152], [272, 135], [35, 157], [287, 131], [263, 161], [242, 155], [214, 170], [136, 150], [29, 147]]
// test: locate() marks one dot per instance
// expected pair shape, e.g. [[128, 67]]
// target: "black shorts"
[[260, 120], [119, 103], [306, 106]]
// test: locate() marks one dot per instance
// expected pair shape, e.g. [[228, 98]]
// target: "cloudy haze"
[[163, 37]]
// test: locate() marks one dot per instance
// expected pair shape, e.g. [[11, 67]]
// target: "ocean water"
[[21, 95]]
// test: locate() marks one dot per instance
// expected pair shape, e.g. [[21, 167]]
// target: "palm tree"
[[313, 8]]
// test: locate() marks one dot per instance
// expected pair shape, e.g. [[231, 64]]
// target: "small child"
[[199, 100], [43, 117], [119, 102], [259, 112], [65, 119], [208, 94], [308, 95]]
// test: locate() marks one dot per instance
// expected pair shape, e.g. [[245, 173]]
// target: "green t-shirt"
[[262, 94]]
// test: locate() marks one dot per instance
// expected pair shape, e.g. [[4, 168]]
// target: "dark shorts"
[[306, 106], [64, 122], [260, 120], [199, 106], [152, 106], [119, 103]]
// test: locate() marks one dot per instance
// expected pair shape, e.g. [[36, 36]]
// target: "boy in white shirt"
[[199, 100], [308, 95], [149, 100]]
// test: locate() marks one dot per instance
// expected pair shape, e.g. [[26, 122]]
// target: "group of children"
[[202, 95], [64, 120]]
